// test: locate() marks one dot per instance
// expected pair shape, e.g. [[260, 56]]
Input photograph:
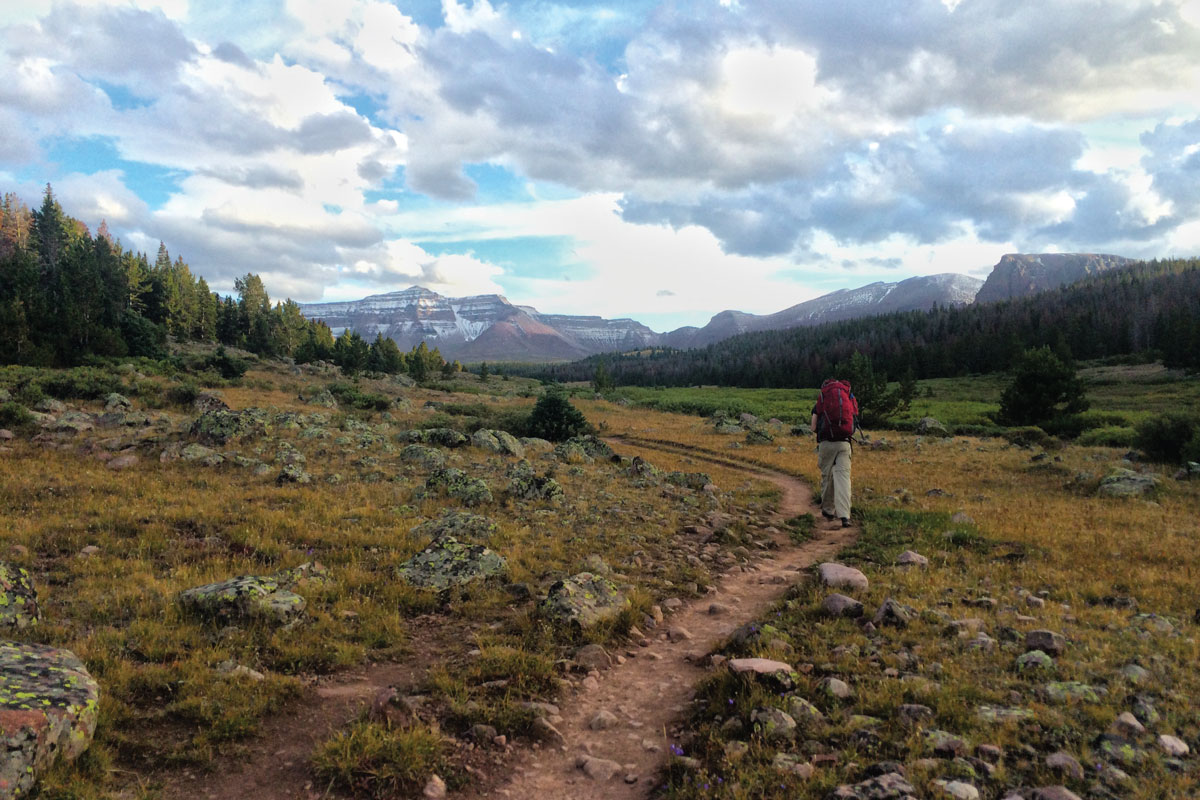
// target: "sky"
[[656, 160]]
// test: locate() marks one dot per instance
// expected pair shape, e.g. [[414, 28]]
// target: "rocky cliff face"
[[478, 328], [876, 298], [1020, 274]]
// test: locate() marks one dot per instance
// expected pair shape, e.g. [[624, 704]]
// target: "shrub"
[[1108, 436], [1167, 438], [227, 366], [1043, 388], [1030, 436], [15, 415], [554, 418], [182, 395], [351, 395], [81, 383]]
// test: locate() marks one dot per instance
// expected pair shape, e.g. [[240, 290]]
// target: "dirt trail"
[[647, 694], [650, 691]]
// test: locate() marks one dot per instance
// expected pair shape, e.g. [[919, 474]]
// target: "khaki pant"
[[834, 460]]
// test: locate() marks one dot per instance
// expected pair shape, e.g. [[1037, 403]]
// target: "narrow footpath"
[[650, 692]]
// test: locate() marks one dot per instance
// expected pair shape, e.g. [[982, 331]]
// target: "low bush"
[[378, 759], [1108, 436], [81, 383], [1030, 436], [15, 416], [349, 394], [1169, 438]]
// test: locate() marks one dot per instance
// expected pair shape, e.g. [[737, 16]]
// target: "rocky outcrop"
[[220, 426], [457, 485], [448, 562], [1021, 274], [49, 705], [458, 525], [584, 600], [254, 597]]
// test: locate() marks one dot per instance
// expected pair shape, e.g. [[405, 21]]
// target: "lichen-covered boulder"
[[928, 426], [690, 480], [584, 600], [72, 423], [219, 426], [245, 597], [759, 436], [209, 401], [444, 437], [423, 456], [498, 442], [292, 474], [458, 485], [323, 398], [191, 452], [1127, 483], [526, 485], [448, 562], [117, 402], [48, 710], [18, 598], [457, 525], [583, 449]]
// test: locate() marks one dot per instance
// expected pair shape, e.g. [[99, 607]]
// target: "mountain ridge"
[[490, 327]]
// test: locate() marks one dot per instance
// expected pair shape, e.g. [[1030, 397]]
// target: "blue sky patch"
[[546, 257], [122, 97], [87, 155]]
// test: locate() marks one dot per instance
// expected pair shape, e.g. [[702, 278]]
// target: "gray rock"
[[959, 790], [1048, 642], [839, 605], [839, 576], [835, 687], [776, 673], [914, 713], [803, 712], [425, 457], [600, 770], [945, 744], [910, 558], [927, 426], [1135, 674], [603, 720], [773, 725], [1125, 483], [1126, 724], [893, 614], [892, 786], [1065, 765], [448, 562], [461, 525], [1053, 793], [456, 484], [245, 597], [1173, 746], [584, 600], [1073, 691], [1034, 661], [49, 706], [592, 657]]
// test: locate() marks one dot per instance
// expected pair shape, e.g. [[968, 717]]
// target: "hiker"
[[834, 420]]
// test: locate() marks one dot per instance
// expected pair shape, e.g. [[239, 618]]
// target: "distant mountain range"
[[490, 328]]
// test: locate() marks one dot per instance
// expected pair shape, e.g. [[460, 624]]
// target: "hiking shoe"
[[845, 522], [827, 515]]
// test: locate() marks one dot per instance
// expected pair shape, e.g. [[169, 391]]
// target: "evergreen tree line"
[[66, 295], [1150, 309]]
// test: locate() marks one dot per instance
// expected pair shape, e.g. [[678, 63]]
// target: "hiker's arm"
[[814, 422]]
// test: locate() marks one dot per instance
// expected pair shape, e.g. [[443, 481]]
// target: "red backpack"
[[836, 411]]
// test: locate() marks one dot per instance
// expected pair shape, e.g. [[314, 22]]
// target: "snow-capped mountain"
[[913, 294], [489, 328], [477, 328]]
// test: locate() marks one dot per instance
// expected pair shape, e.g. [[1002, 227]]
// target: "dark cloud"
[[1174, 165], [257, 177], [142, 49], [232, 54], [328, 133]]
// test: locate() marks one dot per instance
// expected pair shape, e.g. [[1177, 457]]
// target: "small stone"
[[839, 605], [592, 657], [589, 684], [893, 614], [122, 462], [835, 687], [913, 713], [543, 730], [1127, 724], [989, 753], [839, 576], [603, 720], [959, 790], [910, 558], [1173, 746], [1034, 602], [1053, 793], [718, 609], [945, 745], [1066, 765], [435, 788], [679, 634], [1033, 661], [670, 604], [598, 769], [1048, 642], [1135, 674]]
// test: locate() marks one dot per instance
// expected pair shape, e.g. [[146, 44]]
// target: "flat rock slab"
[[244, 597], [839, 605], [448, 562], [839, 576], [891, 786], [1127, 483], [18, 598], [48, 710]]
